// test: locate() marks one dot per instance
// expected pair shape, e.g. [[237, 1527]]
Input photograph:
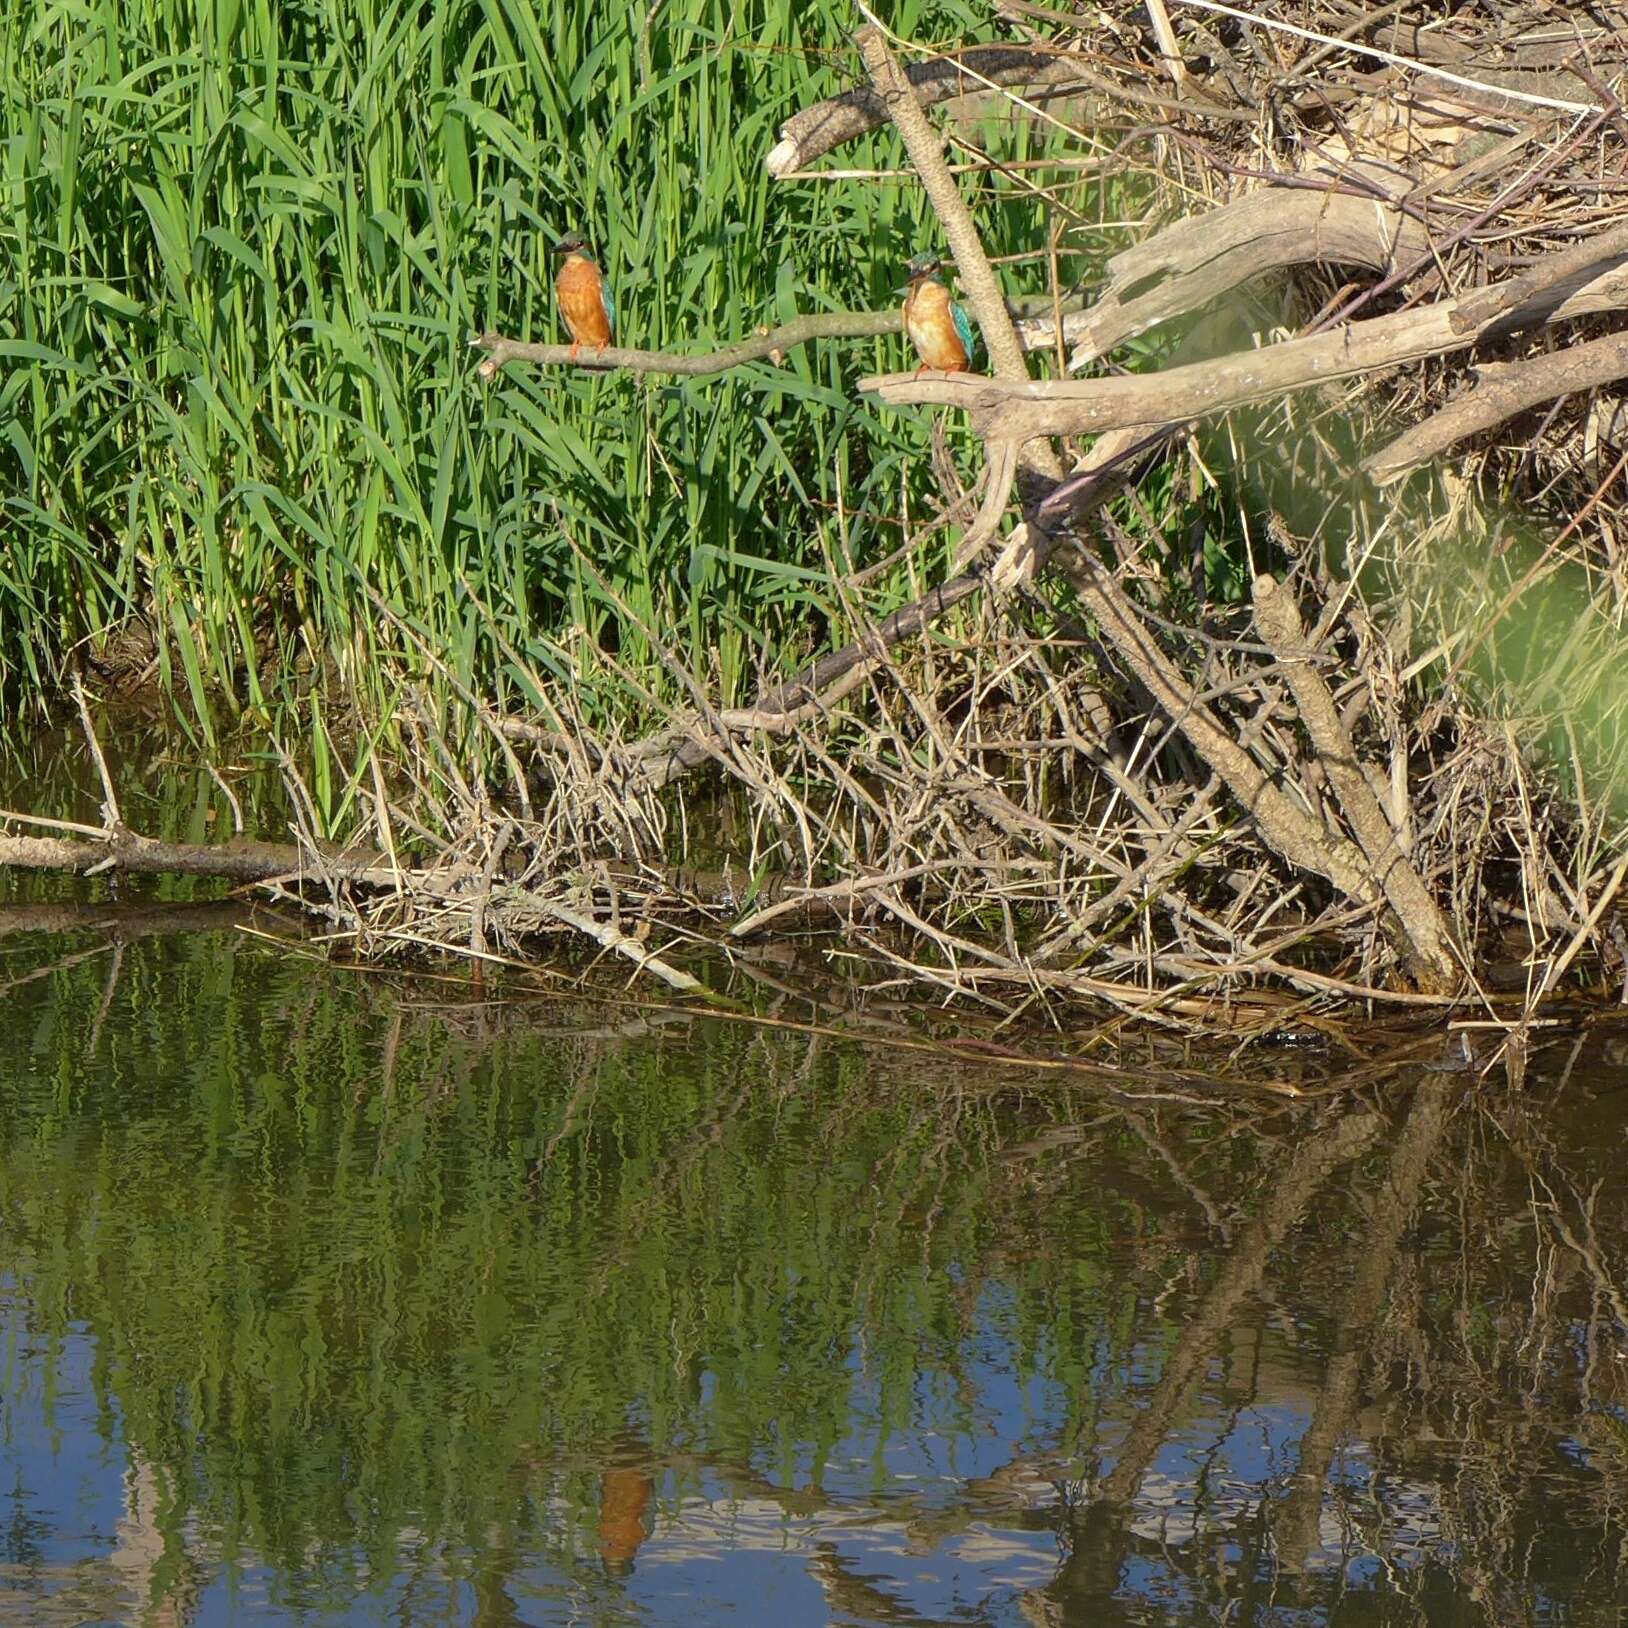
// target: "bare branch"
[[767, 343], [1034, 333], [1423, 928], [1502, 390], [1194, 260], [926, 149], [1079, 407], [816, 130], [236, 861]]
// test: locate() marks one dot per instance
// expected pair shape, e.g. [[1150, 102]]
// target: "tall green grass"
[[244, 244]]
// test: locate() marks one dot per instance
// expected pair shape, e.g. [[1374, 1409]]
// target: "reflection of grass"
[[368, 1282], [249, 248], [350, 1276]]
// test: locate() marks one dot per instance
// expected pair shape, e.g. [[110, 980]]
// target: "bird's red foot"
[[576, 349]]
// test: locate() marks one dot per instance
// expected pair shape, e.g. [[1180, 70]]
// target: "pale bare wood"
[[1501, 390], [1078, 407], [926, 149], [1192, 261], [767, 344], [814, 131], [239, 860]]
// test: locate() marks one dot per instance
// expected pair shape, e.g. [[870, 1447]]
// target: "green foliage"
[[244, 245]]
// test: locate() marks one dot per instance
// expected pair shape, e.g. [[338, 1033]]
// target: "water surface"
[[327, 1297]]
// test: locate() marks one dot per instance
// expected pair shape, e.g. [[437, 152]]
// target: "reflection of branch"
[[851, 1596], [1312, 1163], [1296, 1519], [121, 922]]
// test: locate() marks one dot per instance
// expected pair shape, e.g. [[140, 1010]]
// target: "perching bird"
[[585, 301], [939, 329]]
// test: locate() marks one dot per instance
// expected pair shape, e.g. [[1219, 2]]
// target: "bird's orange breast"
[[930, 323], [580, 288]]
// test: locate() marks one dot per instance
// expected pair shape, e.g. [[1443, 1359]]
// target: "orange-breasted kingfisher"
[[939, 329], [585, 301]]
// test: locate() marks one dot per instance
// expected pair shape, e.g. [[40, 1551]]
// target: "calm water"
[[325, 1299]]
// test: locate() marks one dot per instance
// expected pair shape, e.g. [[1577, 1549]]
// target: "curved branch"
[[1192, 261], [766, 343], [814, 131]]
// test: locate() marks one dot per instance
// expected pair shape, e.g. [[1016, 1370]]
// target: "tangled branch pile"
[[1282, 667]]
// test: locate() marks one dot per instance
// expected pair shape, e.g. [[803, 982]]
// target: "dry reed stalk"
[[1092, 785]]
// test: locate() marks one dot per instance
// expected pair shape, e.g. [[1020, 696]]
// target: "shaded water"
[[328, 1300]]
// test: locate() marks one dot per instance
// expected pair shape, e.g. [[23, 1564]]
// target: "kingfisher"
[[939, 329], [585, 301]]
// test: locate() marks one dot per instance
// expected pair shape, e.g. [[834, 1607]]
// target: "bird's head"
[[921, 266], [572, 243]]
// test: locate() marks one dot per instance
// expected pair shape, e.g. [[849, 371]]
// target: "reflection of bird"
[[585, 302], [939, 329], [624, 1499]]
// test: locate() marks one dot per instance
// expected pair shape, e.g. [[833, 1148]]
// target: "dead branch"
[[238, 860], [612, 938], [767, 343], [1185, 265], [1038, 333], [1502, 390], [814, 131], [1435, 967], [664, 758], [1081, 407], [926, 149], [1288, 830], [775, 705]]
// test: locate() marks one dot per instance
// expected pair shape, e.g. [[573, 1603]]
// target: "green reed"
[[243, 247]]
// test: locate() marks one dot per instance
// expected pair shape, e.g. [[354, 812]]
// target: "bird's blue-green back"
[[963, 326]]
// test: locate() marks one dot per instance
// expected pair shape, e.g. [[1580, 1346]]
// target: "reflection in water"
[[624, 1505], [321, 1303]]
